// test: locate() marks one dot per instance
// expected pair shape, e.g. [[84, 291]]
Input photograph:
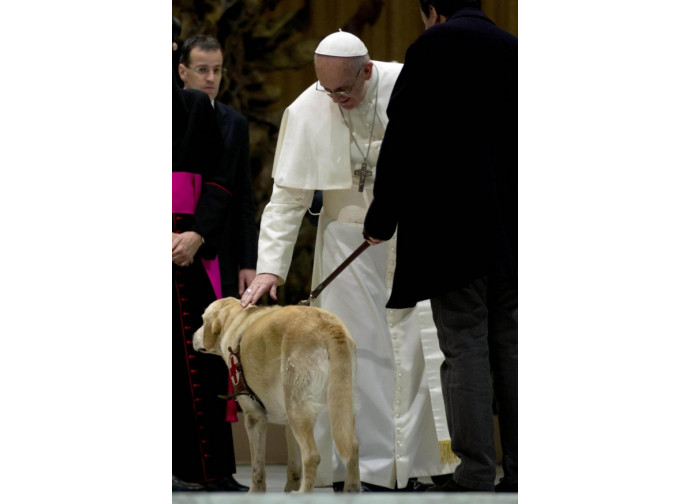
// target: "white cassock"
[[400, 418]]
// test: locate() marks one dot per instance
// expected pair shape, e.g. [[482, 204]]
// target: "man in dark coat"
[[202, 189], [238, 246], [201, 68], [447, 180]]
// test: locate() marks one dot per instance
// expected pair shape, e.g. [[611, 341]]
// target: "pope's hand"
[[262, 283]]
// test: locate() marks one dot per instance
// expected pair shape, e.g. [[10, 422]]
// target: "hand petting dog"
[[262, 283]]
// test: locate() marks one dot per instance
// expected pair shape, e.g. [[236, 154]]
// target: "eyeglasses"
[[204, 70], [341, 94]]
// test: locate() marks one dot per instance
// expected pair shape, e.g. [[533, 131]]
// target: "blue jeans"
[[477, 331]]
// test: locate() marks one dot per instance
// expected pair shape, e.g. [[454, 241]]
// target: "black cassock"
[[201, 438]]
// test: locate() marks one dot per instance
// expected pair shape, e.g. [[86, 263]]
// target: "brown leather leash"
[[314, 294]]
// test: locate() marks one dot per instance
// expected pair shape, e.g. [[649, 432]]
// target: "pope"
[[329, 140]]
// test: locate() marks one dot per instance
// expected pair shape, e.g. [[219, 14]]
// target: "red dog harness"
[[237, 386]]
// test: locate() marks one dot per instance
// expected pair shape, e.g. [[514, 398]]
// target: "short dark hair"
[[201, 42], [424, 6], [177, 29], [447, 7]]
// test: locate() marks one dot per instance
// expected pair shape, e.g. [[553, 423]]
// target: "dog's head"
[[217, 316]]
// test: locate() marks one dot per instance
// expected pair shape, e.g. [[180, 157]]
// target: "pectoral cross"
[[363, 174]]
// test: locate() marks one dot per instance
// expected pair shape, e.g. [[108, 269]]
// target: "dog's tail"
[[343, 365]]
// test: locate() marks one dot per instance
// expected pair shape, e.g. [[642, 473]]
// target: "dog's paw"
[[352, 489], [292, 486]]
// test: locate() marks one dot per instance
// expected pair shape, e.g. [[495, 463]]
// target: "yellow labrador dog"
[[298, 361]]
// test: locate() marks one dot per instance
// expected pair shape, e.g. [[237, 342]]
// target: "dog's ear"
[[211, 331], [234, 317]]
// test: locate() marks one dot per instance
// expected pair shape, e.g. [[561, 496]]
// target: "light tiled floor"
[[275, 481], [276, 474]]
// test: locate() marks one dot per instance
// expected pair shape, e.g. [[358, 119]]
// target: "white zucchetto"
[[341, 44]]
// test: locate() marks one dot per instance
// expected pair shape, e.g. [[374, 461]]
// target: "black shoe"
[[183, 486], [442, 479], [368, 487], [450, 486], [227, 484], [414, 486], [504, 486]]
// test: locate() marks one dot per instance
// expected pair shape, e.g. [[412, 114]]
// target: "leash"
[[315, 293]]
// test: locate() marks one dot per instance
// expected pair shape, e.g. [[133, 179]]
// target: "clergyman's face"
[[337, 74], [203, 72]]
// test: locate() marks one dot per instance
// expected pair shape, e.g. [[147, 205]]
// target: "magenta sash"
[[186, 190], [213, 272]]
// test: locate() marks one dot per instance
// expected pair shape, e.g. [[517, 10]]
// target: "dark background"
[[268, 48]]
